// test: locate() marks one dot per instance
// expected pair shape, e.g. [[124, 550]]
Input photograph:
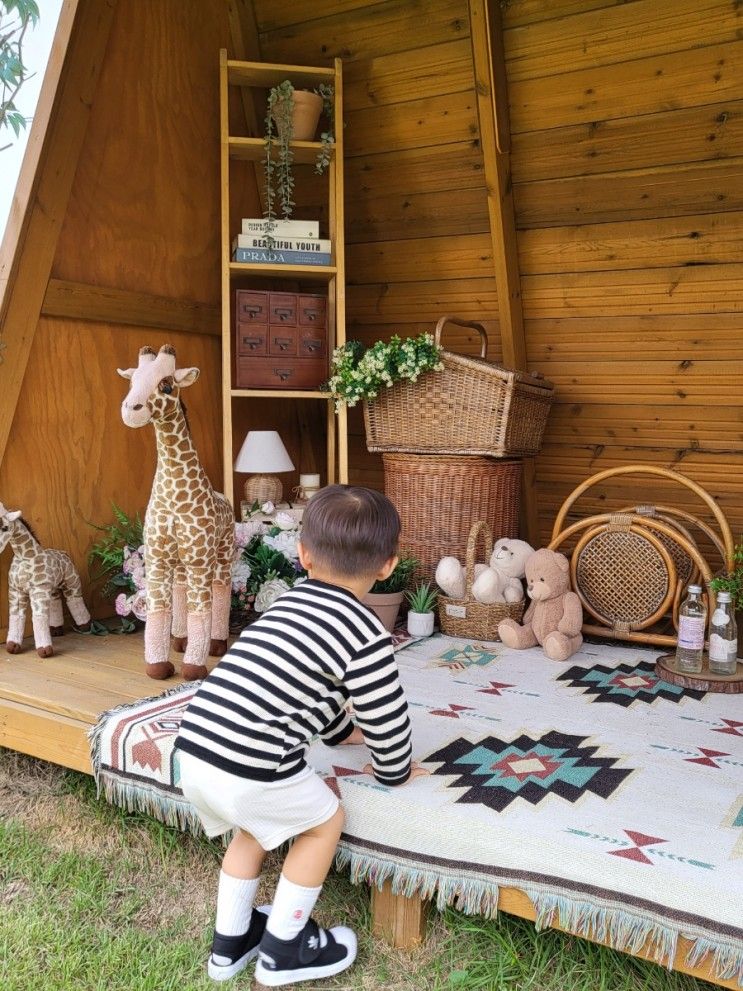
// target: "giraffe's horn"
[[167, 349], [146, 355]]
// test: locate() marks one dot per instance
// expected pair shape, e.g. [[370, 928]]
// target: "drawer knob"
[[251, 342], [282, 313], [282, 343], [251, 311], [312, 345], [283, 373]]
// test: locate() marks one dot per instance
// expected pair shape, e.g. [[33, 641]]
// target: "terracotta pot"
[[305, 115], [420, 624], [386, 606]]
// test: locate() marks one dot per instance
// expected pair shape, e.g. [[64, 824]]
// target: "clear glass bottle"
[[692, 627], [723, 637]]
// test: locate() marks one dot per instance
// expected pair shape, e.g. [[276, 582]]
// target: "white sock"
[[235, 899], [292, 907]]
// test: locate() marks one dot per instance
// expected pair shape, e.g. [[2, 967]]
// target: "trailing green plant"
[[327, 136], [278, 163], [400, 578], [279, 157], [423, 598], [732, 582], [358, 373]]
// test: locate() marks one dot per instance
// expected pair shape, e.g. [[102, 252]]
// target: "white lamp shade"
[[263, 451]]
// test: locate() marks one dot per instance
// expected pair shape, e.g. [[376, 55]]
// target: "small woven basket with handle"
[[470, 407], [467, 617]]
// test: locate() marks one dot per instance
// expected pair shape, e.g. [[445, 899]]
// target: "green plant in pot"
[[422, 601], [733, 583], [386, 597], [292, 115]]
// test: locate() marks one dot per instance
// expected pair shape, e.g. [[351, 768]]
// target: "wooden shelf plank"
[[321, 272], [268, 74], [281, 394], [254, 150]]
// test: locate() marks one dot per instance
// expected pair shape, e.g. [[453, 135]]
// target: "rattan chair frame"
[[726, 537], [640, 525], [682, 514]]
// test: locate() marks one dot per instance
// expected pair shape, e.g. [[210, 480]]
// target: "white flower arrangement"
[[359, 374]]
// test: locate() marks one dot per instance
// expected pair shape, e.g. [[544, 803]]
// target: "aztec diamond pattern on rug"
[[622, 818], [625, 684], [496, 772]]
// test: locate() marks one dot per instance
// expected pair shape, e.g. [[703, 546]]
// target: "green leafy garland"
[[358, 374]]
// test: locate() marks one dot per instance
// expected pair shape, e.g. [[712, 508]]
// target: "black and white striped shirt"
[[289, 677]]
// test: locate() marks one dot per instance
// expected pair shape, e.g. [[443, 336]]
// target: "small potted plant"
[[733, 583], [422, 602], [292, 115], [386, 597]]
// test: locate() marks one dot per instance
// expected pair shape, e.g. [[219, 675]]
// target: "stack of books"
[[292, 242]]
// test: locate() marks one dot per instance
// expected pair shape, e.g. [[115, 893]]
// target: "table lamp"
[[263, 454]]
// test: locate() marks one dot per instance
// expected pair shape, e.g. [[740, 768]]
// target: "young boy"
[[244, 737]]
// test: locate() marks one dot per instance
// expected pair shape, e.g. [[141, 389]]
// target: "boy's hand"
[[416, 771], [354, 737]]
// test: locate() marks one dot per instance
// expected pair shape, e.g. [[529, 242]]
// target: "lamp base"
[[263, 488]]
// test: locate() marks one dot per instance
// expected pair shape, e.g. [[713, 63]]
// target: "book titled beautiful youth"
[[262, 256], [281, 228], [319, 244]]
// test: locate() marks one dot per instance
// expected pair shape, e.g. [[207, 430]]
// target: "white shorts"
[[272, 812]]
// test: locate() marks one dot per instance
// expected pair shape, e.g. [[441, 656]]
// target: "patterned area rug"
[[614, 800]]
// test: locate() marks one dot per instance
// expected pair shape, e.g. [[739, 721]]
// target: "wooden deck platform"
[[48, 706]]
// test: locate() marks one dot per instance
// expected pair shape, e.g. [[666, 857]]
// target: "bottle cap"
[[697, 589], [723, 596]]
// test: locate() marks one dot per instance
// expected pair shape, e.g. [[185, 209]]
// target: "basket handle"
[[463, 323], [477, 528]]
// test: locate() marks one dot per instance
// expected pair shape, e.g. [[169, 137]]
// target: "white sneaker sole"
[[224, 972], [279, 978]]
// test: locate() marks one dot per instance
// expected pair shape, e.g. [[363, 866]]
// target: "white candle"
[[309, 481]]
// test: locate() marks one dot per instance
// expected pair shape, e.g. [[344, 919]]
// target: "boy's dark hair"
[[350, 529]]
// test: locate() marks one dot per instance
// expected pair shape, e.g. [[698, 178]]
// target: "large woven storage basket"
[[439, 498], [471, 407], [467, 617]]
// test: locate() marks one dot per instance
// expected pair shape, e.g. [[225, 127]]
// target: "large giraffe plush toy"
[[189, 529], [40, 576]]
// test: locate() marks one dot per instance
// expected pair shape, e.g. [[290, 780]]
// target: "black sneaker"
[[313, 953], [231, 954]]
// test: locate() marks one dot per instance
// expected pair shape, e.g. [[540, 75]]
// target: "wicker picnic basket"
[[471, 407], [467, 617], [440, 497]]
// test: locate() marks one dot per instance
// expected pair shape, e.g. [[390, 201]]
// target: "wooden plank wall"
[[417, 235], [137, 262], [627, 158]]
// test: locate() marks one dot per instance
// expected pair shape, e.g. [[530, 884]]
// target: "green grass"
[[95, 899]]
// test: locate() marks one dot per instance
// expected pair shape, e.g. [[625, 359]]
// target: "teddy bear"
[[554, 617], [500, 581]]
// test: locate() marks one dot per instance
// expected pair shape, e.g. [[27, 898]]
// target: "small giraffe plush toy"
[[40, 576], [189, 529]]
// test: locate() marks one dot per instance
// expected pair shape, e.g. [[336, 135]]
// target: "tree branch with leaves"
[[16, 16]]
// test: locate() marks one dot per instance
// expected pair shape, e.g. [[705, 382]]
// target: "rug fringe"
[[135, 798], [727, 961], [473, 897], [616, 927]]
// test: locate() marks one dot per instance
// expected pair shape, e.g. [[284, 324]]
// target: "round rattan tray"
[[705, 681]]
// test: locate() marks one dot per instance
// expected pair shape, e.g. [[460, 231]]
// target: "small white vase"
[[420, 624]]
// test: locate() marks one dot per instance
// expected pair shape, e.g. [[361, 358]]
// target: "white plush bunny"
[[501, 582], [450, 576]]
